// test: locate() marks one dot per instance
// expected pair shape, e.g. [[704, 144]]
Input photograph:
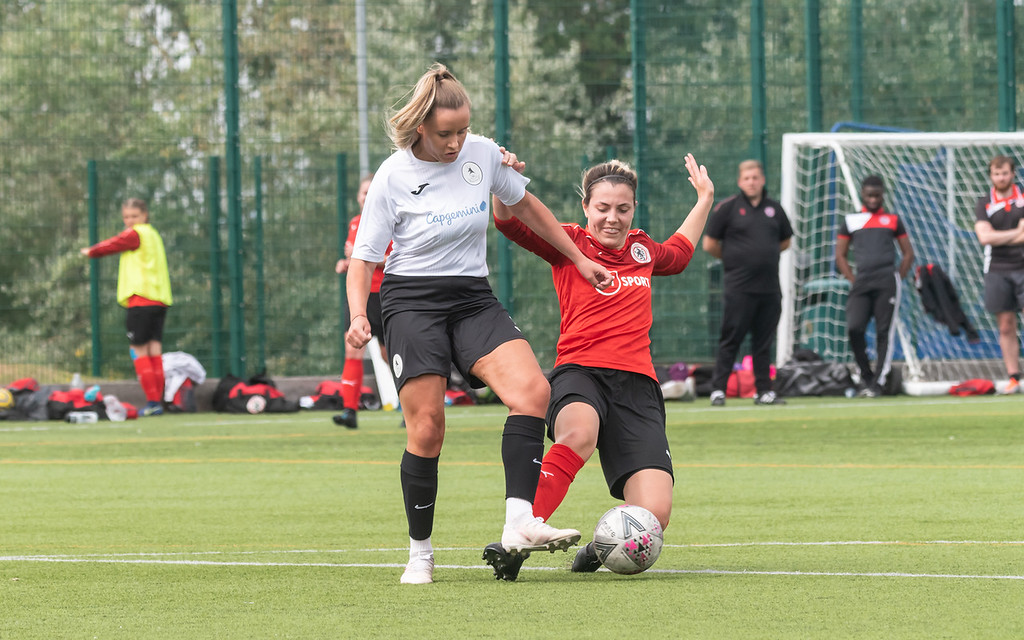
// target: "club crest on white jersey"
[[472, 173], [640, 253]]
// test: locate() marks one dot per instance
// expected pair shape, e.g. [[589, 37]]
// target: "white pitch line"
[[696, 545], [841, 543], [840, 574]]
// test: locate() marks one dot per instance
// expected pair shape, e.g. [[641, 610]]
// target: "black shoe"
[[506, 565], [768, 397], [586, 560], [347, 419]]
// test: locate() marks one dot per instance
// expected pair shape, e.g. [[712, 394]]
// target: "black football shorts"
[[632, 414], [431, 323], [145, 324]]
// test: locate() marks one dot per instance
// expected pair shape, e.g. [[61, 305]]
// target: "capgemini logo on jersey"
[[449, 217]]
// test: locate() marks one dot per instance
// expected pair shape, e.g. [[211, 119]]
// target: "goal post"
[[933, 181]]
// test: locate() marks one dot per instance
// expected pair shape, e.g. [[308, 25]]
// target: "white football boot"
[[533, 534]]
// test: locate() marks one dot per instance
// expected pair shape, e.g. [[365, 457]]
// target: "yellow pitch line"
[[230, 461], [739, 465], [781, 465], [210, 438], [225, 438]]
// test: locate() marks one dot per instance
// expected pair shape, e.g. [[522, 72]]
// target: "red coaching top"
[[608, 329], [378, 273]]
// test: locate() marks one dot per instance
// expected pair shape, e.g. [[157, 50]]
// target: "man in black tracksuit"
[[878, 284], [748, 232]]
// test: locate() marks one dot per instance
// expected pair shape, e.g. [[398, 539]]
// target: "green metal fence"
[[243, 124]]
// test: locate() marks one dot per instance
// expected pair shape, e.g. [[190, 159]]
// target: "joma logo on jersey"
[[628, 281]]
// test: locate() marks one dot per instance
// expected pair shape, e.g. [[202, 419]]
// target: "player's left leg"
[[886, 305], [652, 490], [647, 488]]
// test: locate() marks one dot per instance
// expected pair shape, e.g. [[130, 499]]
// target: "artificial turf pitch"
[[887, 518]]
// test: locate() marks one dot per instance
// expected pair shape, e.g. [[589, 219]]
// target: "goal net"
[[933, 181]]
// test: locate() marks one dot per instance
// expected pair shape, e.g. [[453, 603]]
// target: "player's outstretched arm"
[[693, 225], [535, 215]]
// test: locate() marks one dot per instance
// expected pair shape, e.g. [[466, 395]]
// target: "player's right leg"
[[737, 310], [423, 400]]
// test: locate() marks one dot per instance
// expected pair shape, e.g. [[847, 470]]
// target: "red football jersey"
[[608, 329], [378, 273]]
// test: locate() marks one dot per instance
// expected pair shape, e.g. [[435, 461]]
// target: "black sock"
[[522, 449], [1015, 376], [419, 489]]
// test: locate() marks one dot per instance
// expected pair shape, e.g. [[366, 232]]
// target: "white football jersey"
[[435, 213]]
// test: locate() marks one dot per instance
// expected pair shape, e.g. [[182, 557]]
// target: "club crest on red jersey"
[[640, 253]]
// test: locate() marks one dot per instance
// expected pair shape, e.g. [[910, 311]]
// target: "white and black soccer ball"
[[628, 539], [256, 404]]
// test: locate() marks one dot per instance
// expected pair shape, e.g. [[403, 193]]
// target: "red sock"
[[352, 382], [558, 470], [144, 371], [157, 364]]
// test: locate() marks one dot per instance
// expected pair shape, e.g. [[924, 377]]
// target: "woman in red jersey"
[[604, 393]]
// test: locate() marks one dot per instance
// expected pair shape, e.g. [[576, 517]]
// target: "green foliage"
[[139, 87]]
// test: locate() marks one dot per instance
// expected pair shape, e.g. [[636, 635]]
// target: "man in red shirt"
[[604, 392], [999, 225]]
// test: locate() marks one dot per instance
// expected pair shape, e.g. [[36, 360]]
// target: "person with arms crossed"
[[876, 289], [352, 373], [430, 198], [144, 289], [604, 392], [999, 225], [748, 231]]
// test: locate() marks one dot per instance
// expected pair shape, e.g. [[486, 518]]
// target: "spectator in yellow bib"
[[144, 289]]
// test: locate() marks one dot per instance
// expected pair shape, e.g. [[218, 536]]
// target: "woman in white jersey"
[[430, 198]]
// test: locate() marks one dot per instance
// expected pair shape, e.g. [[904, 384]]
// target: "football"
[[6, 399], [256, 404], [628, 539]]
